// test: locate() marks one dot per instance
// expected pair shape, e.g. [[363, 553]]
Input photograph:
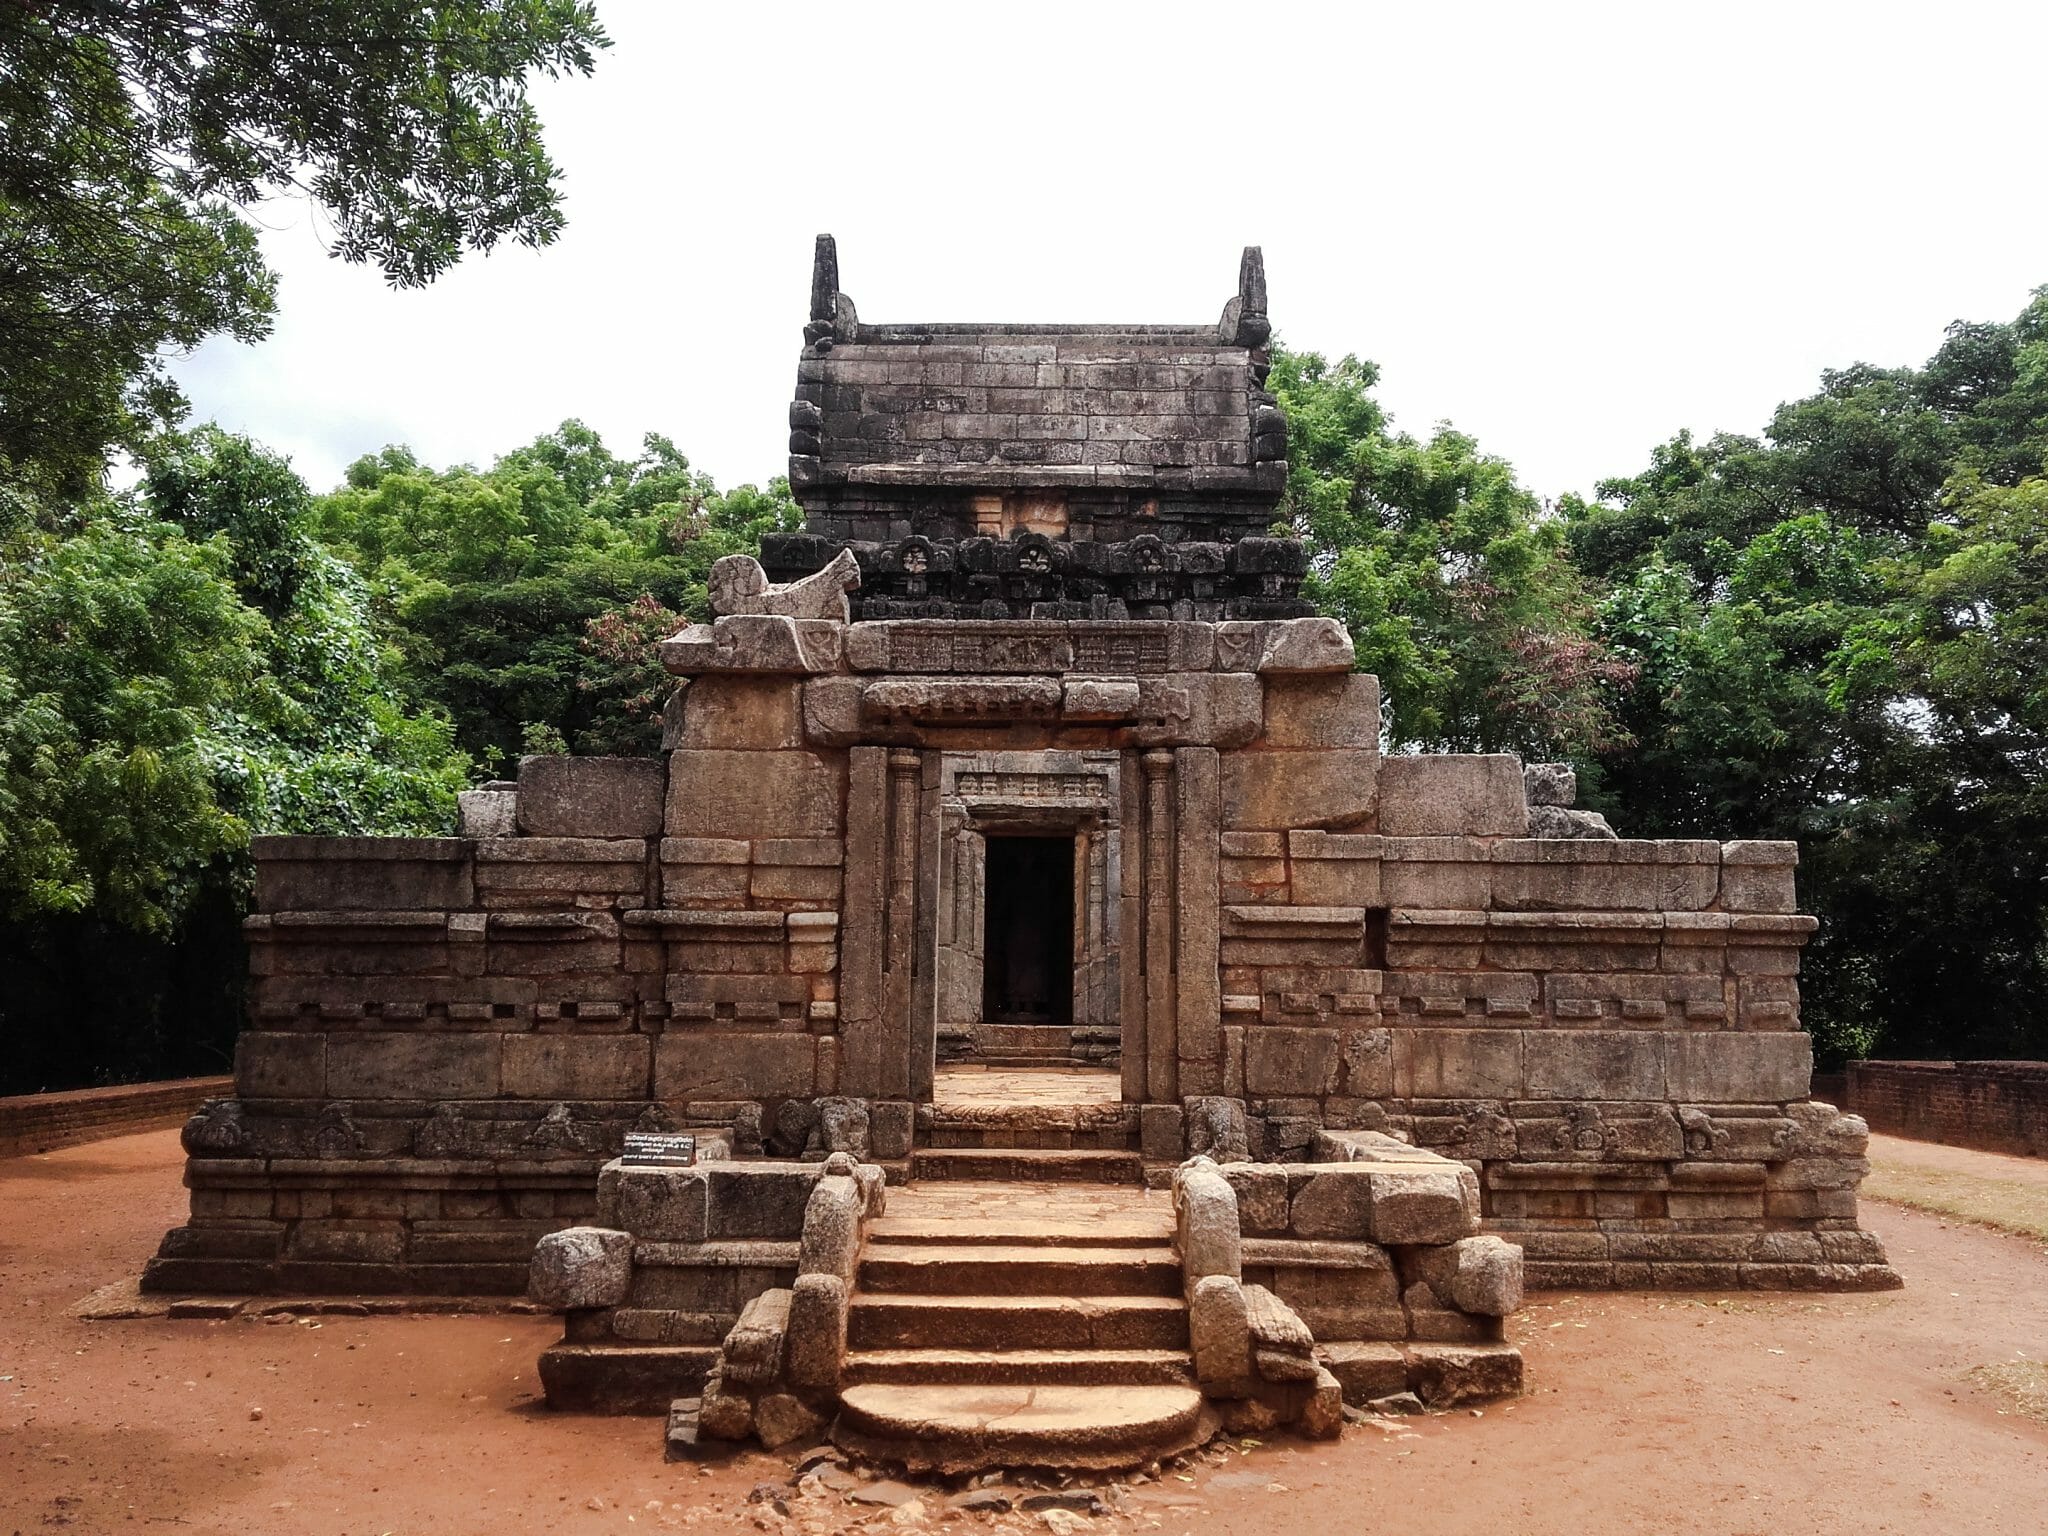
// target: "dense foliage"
[[133, 131], [1842, 631], [524, 599], [1459, 592]]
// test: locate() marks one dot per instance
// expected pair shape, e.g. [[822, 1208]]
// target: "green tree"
[[134, 129], [1840, 632], [1454, 584], [510, 591]]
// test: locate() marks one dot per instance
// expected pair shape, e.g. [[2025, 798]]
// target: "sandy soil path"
[[1707, 1415]]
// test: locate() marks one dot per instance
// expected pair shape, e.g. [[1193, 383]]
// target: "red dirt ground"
[[1707, 1415]]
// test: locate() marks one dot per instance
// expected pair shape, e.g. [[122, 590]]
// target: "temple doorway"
[[1028, 944]]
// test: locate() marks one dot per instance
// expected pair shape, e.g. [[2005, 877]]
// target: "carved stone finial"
[[1244, 322], [1251, 280], [825, 281]]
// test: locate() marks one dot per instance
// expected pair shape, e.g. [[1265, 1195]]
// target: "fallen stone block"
[[753, 1350], [780, 1419]]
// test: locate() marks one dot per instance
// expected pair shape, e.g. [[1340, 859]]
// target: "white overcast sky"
[[1568, 230]]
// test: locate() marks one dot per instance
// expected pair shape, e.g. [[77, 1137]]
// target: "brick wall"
[[38, 1122], [1993, 1106]]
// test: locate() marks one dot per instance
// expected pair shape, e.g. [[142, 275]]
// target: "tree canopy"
[[1840, 633], [524, 599], [1456, 586], [132, 132]]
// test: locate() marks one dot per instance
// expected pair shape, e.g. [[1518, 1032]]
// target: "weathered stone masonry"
[[767, 931]]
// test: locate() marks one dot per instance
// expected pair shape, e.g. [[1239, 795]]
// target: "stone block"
[[1214, 709], [577, 1066], [889, 1129], [1418, 1203], [604, 797], [759, 1200], [832, 1228], [725, 1414], [781, 1419], [414, 1066], [777, 1065], [1758, 876], [487, 813], [1444, 1375], [1160, 1137], [815, 1344], [1334, 1202], [1216, 1128], [1277, 791], [1365, 1370], [1617, 875], [1594, 1064], [1261, 1190], [1452, 874], [752, 1356], [1486, 1276], [747, 713], [664, 1205], [328, 874], [1739, 1067], [581, 1267], [1551, 784], [1323, 711], [1284, 645], [1452, 795], [1219, 1331], [831, 711], [1322, 1415], [1434, 1063], [746, 795], [278, 1064], [1290, 1063], [1206, 1224], [754, 642]]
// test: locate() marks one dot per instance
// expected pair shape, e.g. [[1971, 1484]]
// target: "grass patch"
[[2021, 1209], [2022, 1383]]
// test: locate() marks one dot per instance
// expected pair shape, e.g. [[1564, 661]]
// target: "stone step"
[[1023, 1269], [1061, 1058], [1034, 1215], [1018, 1367], [963, 1428], [885, 1321], [1039, 1164]]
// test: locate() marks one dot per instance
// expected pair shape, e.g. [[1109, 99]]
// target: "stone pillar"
[[1130, 898], [1162, 1076], [927, 840], [865, 1024], [962, 867], [899, 942], [1198, 1009]]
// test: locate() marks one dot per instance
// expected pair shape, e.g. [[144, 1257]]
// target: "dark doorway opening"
[[1028, 949]]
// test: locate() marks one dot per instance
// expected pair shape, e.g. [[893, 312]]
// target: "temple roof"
[[1178, 410]]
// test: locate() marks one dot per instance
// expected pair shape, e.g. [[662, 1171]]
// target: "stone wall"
[[42, 1122], [1994, 1106], [1606, 1030]]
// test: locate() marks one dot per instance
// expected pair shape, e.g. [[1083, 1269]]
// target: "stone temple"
[[1087, 1033]]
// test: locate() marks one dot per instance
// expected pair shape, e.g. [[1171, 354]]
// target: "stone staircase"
[[1020, 1324], [1064, 1126]]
